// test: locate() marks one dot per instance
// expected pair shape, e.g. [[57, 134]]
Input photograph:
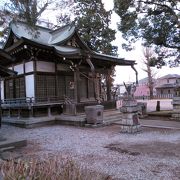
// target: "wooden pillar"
[[56, 79], [0, 104], [77, 85], [31, 114], [24, 71], [35, 79], [108, 85]]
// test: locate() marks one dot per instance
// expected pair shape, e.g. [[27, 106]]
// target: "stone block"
[[176, 98], [130, 119], [94, 114], [129, 107], [176, 109], [130, 129], [129, 103]]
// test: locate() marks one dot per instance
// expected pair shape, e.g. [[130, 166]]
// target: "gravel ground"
[[149, 155]]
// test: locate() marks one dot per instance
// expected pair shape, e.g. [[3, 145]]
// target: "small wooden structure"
[[57, 72]]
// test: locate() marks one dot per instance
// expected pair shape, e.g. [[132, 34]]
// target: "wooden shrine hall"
[[56, 72]]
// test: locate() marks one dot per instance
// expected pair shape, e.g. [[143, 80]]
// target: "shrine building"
[[56, 72]]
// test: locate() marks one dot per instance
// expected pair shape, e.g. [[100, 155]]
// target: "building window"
[[84, 87], [15, 88], [65, 87], [19, 87], [169, 91], [9, 89], [45, 86], [61, 88], [167, 80], [90, 88]]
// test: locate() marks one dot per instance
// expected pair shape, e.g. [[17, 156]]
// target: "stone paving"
[[161, 124]]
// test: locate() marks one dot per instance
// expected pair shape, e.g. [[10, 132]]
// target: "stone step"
[[109, 113], [7, 148], [112, 115], [112, 119], [13, 143]]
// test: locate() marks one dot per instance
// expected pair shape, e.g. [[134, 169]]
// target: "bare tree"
[[148, 56]]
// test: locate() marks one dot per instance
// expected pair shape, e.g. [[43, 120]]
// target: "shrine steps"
[[109, 117]]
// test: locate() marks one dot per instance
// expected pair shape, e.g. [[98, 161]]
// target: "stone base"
[[175, 116], [130, 123], [130, 128], [130, 119], [176, 109]]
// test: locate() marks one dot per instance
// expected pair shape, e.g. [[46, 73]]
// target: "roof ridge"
[[62, 27], [25, 23]]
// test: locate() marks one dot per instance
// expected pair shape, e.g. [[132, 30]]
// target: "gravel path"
[[152, 154]]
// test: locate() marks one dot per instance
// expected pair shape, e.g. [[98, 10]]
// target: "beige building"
[[166, 85]]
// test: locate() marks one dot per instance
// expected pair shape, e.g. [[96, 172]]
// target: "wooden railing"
[[30, 101], [17, 101]]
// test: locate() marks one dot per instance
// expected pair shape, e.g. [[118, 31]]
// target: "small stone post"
[[158, 106]]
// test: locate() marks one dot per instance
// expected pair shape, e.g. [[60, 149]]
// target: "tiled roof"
[[169, 76], [56, 39]]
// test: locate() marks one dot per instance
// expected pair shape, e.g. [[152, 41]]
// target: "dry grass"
[[56, 168]]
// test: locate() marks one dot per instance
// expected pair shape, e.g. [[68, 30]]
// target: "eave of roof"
[[60, 50], [118, 61], [5, 58], [4, 72], [170, 76]]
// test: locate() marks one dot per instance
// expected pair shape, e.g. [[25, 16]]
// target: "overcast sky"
[[126, 73]]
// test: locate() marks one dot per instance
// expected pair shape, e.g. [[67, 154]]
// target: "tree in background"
[[28, 11], [156, 23], [92, 21], [148, 55]]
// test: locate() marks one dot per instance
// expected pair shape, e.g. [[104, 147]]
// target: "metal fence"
[[159, 96]]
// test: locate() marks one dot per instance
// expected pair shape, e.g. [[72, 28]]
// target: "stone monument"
[[130, 120], [176, 102]]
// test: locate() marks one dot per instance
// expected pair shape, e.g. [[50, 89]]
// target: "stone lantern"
[[130, 120], [176, 102]]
